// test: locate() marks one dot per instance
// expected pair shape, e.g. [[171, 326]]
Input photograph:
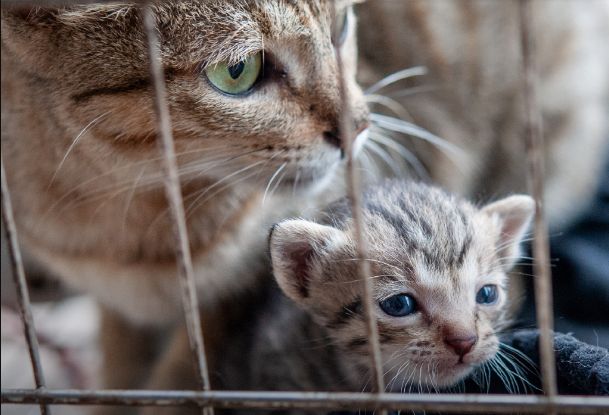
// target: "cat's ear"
[[297, 247], [513, 214]]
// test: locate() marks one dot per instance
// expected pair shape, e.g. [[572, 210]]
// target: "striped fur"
[[423, 242], [78, 140]]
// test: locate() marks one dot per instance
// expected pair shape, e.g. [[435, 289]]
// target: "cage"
[[377, 400]]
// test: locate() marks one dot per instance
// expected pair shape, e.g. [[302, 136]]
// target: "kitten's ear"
[[297, 247], [514, 214]]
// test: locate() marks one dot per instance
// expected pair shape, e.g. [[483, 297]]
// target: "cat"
[[440, 275], [466, 56], [254, 96]]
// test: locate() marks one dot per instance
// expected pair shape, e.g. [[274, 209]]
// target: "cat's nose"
[[462, 345], [333, 138]]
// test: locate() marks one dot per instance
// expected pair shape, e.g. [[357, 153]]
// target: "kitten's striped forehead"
[[428, 222], [415, 223]]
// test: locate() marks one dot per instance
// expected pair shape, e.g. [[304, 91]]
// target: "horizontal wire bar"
[[450, 403], [55, 3]]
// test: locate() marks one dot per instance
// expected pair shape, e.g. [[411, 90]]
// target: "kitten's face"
[[439, 283], [252, 85]]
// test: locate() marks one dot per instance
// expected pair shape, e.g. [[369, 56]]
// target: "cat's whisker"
[[73, 144], [151, 180], [528, 363], [517, 373], [413, 90], [218, 183], [277, 184], [395, 77], [295, 183], [407, 155], [385, 156], [389, 103], [266, 190], [130, 199], [454, 153]]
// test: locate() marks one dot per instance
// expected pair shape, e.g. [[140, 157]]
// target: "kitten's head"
[[440, 278], [252, 85]]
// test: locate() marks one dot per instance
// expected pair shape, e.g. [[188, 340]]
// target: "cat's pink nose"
[[461, 345]]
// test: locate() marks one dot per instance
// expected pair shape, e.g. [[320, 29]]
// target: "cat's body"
[[254, 143], [439, 250], [472, 95], [79, 145]]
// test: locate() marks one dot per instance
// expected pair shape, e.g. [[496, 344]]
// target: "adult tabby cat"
[[254, 98]]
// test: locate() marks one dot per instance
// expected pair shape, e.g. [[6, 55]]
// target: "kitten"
[[440, 269], [254, 98]]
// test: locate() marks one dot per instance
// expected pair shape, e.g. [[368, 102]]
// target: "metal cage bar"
[[23, 296], [541, 247], [190, 301], [449, 403], [347, 134]]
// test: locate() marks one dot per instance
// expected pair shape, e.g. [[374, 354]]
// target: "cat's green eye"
[[235, 79]]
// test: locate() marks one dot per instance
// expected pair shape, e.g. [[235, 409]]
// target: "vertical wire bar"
[[354, 192], [174, 197], [23, 297], [534, 147]]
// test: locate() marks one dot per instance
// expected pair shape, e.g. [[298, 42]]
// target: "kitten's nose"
[[462, 345]]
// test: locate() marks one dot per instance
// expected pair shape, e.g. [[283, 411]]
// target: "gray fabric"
[[582, 369]]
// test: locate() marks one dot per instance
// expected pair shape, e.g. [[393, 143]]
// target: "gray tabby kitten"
[[440, 281]]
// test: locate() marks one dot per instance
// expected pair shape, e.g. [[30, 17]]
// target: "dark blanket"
[[581, 369]]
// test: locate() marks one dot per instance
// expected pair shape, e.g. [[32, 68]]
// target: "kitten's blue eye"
[[399, 305], [487, 294]]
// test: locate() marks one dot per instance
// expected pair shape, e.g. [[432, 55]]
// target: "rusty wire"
[[541, 248], [347, 135], [190, 301], [23, 296], [450, 403]]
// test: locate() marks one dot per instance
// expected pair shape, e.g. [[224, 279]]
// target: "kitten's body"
[[423, 242]]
